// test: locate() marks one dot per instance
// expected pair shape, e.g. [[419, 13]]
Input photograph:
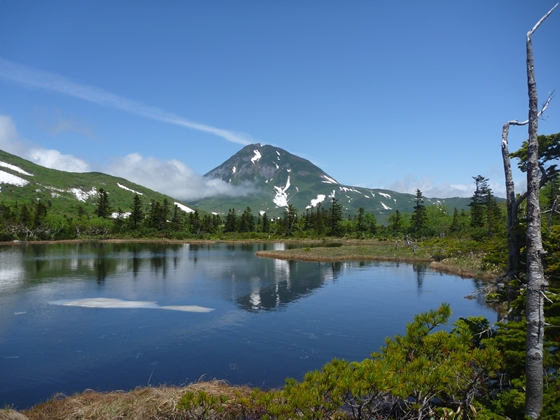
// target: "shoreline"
[[319, 250]]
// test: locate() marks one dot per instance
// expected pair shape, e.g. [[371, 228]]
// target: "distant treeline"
[[36, 221]]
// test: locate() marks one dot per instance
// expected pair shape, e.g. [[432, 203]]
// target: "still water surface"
[[118, 316]]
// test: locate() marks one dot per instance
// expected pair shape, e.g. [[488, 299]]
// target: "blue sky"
[[395, 94]]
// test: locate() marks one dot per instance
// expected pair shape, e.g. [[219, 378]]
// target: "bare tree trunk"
[[512, 204], [535, 275], [513, 237]]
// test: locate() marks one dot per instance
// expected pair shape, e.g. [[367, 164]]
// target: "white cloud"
[[171, 177], [12, 142], [31, 77], [53, 159], [409, 184]]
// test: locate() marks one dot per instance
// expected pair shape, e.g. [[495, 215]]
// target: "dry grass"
[[152, 403], [365, 252], [464, 266]]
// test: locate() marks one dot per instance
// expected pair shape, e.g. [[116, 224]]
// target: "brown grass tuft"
[[152, 403]]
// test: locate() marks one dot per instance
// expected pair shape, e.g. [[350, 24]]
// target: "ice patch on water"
[[108, 303]]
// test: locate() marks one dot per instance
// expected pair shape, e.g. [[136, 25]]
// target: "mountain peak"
[[258, 163], [279, 178]]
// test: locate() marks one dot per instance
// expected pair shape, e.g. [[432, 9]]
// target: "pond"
[[109, 316]]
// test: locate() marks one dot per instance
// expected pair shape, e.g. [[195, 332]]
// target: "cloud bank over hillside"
[[178, 180], [171, 177], [409, 184]]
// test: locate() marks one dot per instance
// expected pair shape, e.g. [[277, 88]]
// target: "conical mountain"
[[277, 178]]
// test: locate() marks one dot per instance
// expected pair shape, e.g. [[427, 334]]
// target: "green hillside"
[[22, 181]]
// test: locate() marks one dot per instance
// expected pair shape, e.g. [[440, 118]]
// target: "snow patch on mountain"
[[385, 195], [184, 208], [350, 189], [52, 188], [281, 197], [81, 194], [384, 206], [117, 215], [328, 179], [128, 189], [234, 169], [6, 178], [314, 201], [256, 157], [14, 168]]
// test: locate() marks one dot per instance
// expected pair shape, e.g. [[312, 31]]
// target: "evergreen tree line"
[[35, 221]]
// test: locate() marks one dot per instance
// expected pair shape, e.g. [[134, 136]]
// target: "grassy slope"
[[52, 187]]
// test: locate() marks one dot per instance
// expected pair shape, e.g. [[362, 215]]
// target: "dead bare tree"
[[536, 282], [512, 203]]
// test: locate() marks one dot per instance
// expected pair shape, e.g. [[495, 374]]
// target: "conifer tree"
[[456, 225], [40, 214], [478, 202], [25, 217], [195, 222], [290, 218], [103, 208], [419, 216], [231, 221], [265, 223], [361, 225], [164, 215], [396, 224], [493, 214], [246, 221], [137, 212], [335, 218]]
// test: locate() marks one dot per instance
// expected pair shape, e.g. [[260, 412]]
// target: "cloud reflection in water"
[[127, 304]]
